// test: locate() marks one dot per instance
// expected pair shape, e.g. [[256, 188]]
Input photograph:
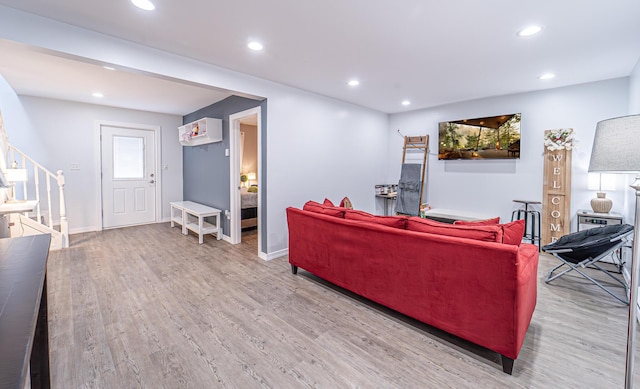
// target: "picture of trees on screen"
[[496, 137]]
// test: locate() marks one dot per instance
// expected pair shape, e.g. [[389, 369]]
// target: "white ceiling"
[[36, 73], [429, 52]]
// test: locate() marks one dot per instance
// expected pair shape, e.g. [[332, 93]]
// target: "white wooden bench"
[[191, 216]]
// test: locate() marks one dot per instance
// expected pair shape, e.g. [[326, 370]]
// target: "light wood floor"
[[145, 307]]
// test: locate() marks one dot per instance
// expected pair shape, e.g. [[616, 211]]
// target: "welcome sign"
[[556, 203]]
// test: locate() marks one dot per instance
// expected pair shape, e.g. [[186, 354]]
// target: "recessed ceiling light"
[[546, 76], [406, 102], [353, 83], [530, 30], [255, 46], [97, 95], [146, 5], [109, 68]]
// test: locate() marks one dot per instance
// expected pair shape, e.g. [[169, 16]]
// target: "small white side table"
[[185, 213]]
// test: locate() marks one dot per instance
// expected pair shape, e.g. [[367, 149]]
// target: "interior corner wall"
[[13, 116], [59, 133], [490, 186], [205, 167]]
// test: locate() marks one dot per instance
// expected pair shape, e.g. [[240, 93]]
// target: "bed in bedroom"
[[248, 208]]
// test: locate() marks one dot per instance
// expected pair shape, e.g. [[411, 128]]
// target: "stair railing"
[[48, 177]]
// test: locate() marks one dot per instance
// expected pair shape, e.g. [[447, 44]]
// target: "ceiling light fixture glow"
[[97, 95], [255, 46], [406, 102], [146, 5], [530, 30], [353, 83], [546, 76]]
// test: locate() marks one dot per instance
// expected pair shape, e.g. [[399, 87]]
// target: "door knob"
[[152, 181]]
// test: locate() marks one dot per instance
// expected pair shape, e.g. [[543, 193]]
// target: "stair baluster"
[[59, 179]]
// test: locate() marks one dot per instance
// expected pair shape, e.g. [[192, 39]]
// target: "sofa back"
[[467, 287]]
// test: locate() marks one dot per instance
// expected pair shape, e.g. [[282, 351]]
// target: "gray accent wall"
[[206, 168]]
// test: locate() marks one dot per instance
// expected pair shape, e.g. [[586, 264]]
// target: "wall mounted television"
[[494, 137]]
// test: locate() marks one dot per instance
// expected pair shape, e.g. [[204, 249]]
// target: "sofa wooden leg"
[[507, 364], [294, 269]]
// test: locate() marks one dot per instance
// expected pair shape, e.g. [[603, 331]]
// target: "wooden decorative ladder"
[[421, 144]]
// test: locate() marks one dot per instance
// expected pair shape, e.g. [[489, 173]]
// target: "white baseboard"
[[273, 255], [83, 230]]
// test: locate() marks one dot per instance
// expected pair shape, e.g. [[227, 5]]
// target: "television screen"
[[495, 137]]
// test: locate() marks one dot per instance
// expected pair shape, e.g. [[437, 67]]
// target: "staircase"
[[49, 215]]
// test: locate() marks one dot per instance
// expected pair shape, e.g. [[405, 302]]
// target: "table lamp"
[[251, 177], [12, 176], [615, 150]]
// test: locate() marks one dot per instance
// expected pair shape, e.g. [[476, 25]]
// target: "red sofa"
[[474, 281]]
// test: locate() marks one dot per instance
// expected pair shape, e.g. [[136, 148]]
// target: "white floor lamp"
[[615, 150]]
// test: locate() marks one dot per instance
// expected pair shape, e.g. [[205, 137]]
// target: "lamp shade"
[[615, 146], [251, 176], [16, 175]]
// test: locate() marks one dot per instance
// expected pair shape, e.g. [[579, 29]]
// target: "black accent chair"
[[583, 249]]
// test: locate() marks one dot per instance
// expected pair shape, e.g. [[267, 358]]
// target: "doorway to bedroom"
[[248, 176], [245, 177]]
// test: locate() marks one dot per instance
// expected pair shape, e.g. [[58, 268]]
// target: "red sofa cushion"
[[391, 221], [513, 232], [328, 203], [483, 233], [488, 222], [313, 206]]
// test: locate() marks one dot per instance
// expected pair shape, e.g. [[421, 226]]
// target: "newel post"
[[64, 226]]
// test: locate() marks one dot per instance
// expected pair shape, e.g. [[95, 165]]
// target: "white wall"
[[249, 163], [316, 147], [489, 186], [13, 116], [319, 147], [634, 90], [60, 133]]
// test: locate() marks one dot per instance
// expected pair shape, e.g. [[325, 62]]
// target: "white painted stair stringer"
[[20, 225]]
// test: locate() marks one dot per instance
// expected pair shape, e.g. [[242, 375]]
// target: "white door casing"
[[129, 179], [235, 233]]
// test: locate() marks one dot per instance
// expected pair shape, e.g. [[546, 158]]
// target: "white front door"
[[128, 176]]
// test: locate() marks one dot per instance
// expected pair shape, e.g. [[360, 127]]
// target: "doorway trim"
[[235, 233], [98, 124]]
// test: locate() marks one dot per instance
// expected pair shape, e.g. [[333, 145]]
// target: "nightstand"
[[589, 219]]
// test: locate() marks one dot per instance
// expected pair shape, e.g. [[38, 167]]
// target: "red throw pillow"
[[483, 233], [488, 222], [313, 206], [328, 203], [391, 221], [513, 232]]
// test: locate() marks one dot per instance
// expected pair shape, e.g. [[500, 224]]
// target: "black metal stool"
[[531, 220]]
